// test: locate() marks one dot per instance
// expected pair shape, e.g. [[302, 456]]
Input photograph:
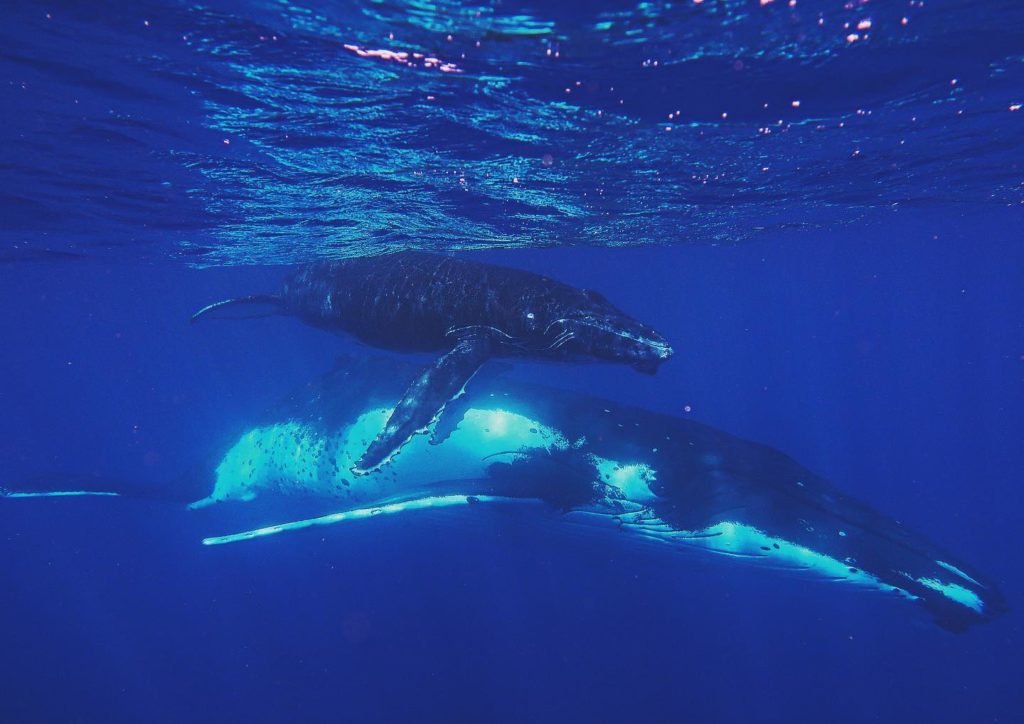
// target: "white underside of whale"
[[293, 458]]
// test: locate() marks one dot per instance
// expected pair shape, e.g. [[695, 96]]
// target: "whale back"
[[413, 301]]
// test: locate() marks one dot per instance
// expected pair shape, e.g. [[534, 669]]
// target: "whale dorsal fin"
[[426, 397]]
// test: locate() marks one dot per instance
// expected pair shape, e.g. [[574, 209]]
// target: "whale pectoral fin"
[[425, 399], [272, 304], [456, 409], [429, 502]]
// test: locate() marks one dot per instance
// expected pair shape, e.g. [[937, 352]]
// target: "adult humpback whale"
[[416, 302], [648, 476]]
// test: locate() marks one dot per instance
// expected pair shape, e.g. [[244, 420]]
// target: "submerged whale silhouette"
[[416, 302], [650, 476]]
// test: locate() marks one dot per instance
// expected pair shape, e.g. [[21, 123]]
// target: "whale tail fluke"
[[272, 303]]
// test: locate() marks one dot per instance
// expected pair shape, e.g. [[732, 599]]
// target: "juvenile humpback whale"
[[650, 477], [416, 302]]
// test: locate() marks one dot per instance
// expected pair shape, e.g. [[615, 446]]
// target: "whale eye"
[[530, 315]]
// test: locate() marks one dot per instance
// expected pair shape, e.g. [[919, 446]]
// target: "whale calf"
[[646, 476], [467, 310]]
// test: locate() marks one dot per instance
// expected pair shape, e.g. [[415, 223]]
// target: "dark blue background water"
[[857, 305]]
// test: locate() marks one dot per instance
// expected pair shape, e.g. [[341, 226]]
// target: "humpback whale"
[[649, 477], [469, 311]]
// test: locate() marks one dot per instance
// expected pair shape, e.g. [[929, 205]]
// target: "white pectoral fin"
[[430, 502], [425, 399], [4, 493]]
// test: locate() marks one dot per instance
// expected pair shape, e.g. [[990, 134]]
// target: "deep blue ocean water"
[[820, 204]]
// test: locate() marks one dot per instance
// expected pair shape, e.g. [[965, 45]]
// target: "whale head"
[[600, 330]]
